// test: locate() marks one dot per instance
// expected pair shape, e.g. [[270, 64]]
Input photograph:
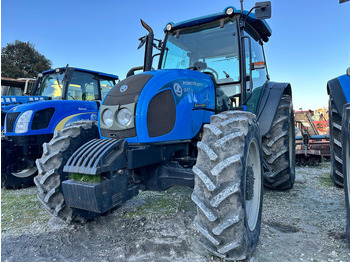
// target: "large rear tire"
[[50, 170], [346, 163], [335, 132], [279, 147], [228, 185]]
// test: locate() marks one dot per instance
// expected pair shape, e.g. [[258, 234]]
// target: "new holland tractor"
[[73, 95], [208, 118]]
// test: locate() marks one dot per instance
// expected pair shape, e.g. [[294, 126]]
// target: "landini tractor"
[[207, 118], [71, 93]]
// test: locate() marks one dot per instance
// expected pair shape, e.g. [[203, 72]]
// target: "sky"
[[310, 42]]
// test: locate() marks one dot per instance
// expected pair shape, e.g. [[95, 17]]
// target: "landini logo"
[[123, 88], [177, 89]]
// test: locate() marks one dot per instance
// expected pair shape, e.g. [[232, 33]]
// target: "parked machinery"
[[208, 118], [73, 94], [338, 90], [15, 92], [311, 146]]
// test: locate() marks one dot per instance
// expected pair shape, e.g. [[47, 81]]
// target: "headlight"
[[107, 118], [124, 117], [23, 122]]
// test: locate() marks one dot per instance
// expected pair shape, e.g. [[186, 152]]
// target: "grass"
[[85, 178], [165, 203], [325, 180], [21, 210]]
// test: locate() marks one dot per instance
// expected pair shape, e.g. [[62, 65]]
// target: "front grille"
[[161, 114], [10, 121], [3, 115], [42, 118]]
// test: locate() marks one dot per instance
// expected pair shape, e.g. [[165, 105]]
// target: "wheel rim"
[[291, 151], [253, 206], [27, 172]]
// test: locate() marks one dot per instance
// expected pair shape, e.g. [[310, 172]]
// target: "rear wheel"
[[279, 147], [335, 122], [346, 163], [50, 170], [228, 185], [19, 177]]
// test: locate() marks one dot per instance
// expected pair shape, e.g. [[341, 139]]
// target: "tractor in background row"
[[73, 95], [209, 117], [338, 90], [15, 92], [339, 101]]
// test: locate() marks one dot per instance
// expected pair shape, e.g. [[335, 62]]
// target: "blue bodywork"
[[260, 26], [339, 90], [66, 112], [83, 70], [8, 100], [344, 81], [194, 105]]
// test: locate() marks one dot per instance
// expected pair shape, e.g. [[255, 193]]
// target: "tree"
[[21, 59]]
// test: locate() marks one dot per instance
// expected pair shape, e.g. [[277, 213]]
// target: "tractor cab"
[[227, 46], [68, 83]]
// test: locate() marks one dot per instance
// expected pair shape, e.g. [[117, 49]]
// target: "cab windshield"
[[51, 86], [211, 47]]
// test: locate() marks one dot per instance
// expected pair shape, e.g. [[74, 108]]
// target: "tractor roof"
[[84, 70], [260, 26]]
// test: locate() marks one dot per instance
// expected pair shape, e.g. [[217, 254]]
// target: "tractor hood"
[[156, 106], [48, 116]]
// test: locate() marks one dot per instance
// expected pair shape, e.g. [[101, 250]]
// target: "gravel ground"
[[306, 223]]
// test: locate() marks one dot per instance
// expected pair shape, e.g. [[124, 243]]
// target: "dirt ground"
[[306, 223]]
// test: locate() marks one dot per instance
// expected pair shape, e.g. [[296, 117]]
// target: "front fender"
[[339, 89]]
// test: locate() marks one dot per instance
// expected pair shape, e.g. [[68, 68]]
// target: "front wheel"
[[346, 163], [50, 170], [19, 177], [335, 133], [228, 185]]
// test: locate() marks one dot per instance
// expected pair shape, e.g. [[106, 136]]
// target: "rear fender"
[[269, 102], [339, 90]]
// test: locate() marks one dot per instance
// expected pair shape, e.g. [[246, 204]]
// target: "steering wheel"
[[212, 71]]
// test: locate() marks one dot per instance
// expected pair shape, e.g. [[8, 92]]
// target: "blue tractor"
[[73, 95], [15, 92], [207, 118], [339, 115], [346, 161], [338, 90]]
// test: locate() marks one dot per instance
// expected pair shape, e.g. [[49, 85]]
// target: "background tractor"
[[15, 92], [346, 162], [339, 108], [208, 118], [73, 95], [338, 90]]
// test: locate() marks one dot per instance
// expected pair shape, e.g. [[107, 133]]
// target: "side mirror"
[[348, 71], [263, 10]]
